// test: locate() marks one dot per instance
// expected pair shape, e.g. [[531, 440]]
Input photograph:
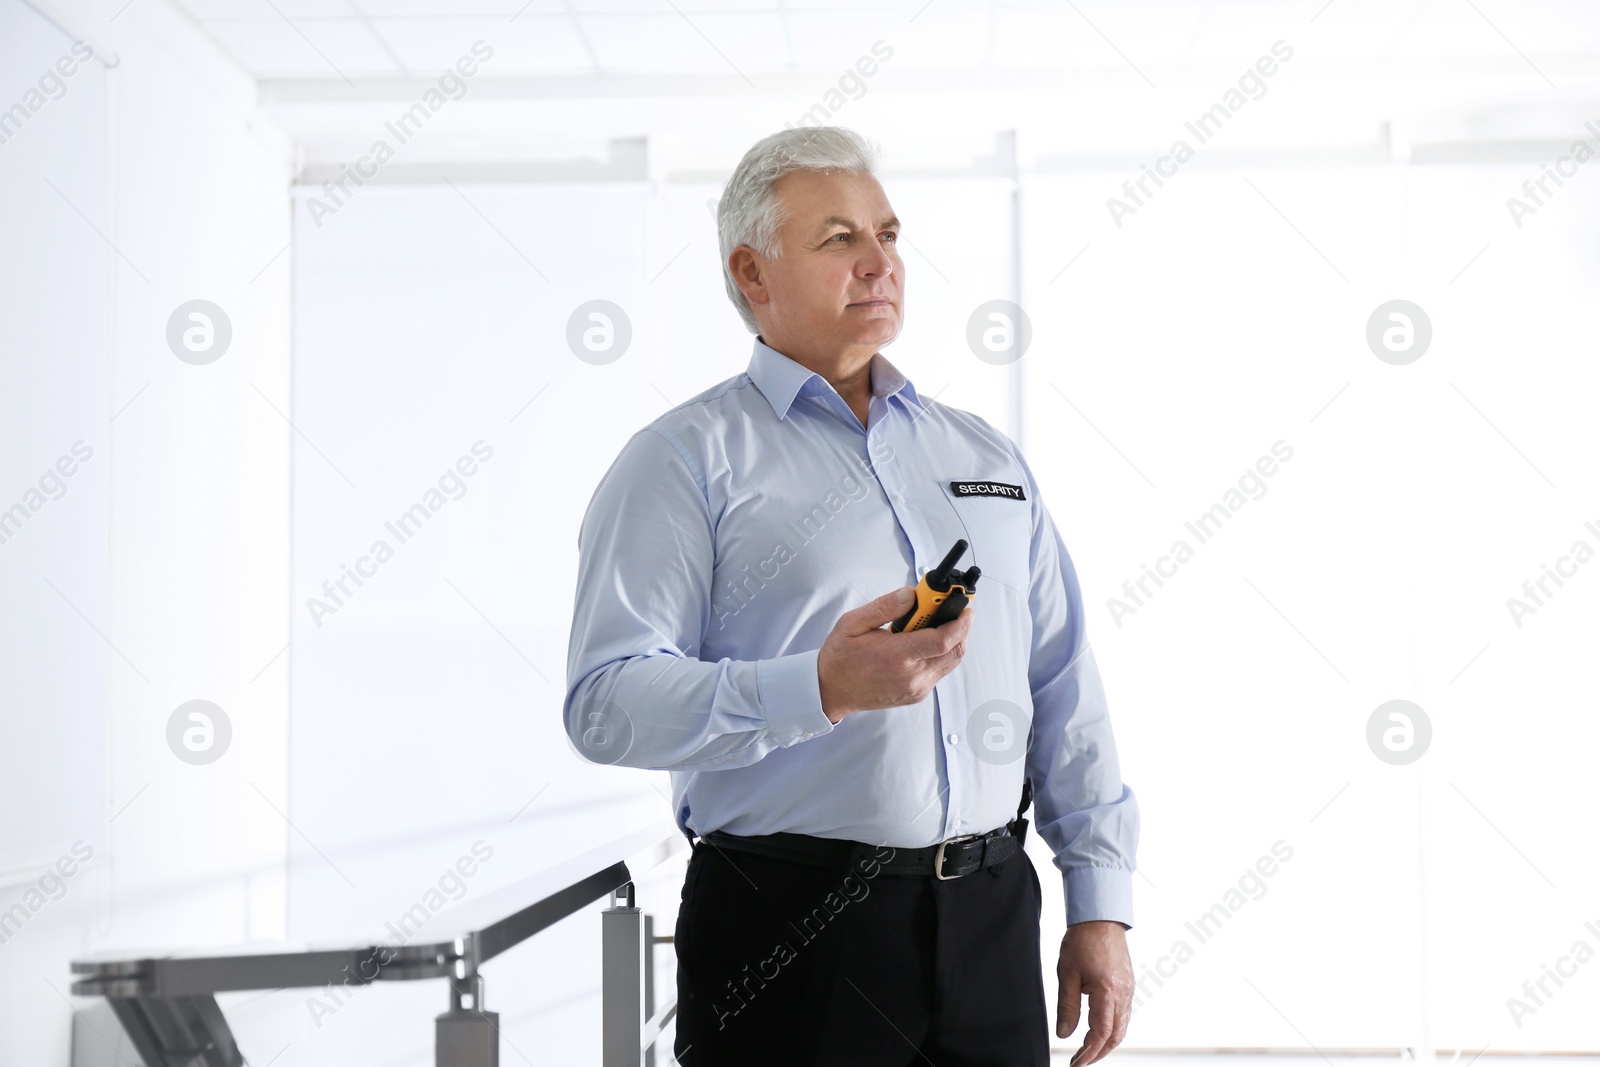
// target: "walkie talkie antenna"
[[939, 577]]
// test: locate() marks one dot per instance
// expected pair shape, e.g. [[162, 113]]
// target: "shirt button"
[[900, 498], [953, 738]]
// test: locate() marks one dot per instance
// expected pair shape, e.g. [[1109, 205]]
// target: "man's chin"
[[874, 330], [880, 342]]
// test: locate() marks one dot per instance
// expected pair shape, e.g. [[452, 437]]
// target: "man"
[[730, 628]]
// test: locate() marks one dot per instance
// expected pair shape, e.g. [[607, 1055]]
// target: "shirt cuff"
[[1099, 893], [790, 693]]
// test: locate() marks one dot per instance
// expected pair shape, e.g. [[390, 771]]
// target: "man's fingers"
[[1102, 1021], [937, 642], [1068, 1005], [1124, 1013]]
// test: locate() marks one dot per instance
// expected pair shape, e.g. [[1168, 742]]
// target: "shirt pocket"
[[999, 531]]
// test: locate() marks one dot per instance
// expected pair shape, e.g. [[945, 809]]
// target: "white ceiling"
[[699, 78], [364, 39]]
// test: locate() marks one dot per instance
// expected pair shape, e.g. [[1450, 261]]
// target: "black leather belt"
[[948, 859]]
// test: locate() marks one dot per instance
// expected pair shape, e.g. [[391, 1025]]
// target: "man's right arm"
[[636, 694]]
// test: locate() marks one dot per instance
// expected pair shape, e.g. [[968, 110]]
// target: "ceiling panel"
[[696, 44], [269, 38], [541, 44], [302, 47], [1053, 39], [428, 45], [940, 37], [688, 7], [504, 10], [262, 9]]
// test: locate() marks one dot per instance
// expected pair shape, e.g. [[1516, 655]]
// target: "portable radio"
[[942, 593]]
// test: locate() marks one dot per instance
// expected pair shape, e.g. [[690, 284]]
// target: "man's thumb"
[[886, 608]]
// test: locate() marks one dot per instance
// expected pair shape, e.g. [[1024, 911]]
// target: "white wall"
[[54, 306], [160, 577], [1374, 564]]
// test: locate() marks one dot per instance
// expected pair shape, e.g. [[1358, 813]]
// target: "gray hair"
[[750, 212]]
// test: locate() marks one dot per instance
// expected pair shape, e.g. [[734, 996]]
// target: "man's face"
[[839, 280]]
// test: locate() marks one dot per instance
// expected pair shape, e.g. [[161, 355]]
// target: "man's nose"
[[877, 262]]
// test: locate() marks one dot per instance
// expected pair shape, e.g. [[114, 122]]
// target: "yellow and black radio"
[[942, 594]]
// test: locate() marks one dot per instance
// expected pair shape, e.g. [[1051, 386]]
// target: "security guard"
[[857, 892]]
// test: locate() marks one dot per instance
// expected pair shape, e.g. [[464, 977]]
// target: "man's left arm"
[[1082, 809]]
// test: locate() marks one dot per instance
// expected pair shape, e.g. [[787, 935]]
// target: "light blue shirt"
[[720, 549]]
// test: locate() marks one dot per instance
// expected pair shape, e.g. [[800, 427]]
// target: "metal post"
[[650, 983], [466, 1037], [622, 981]]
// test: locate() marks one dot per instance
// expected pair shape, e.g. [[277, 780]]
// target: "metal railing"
[[167, 1004], [629, 1018]]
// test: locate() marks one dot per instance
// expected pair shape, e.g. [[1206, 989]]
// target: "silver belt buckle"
[[938, 857]]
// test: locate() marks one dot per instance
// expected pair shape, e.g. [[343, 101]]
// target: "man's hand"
[[862, 666], [1094, 963]]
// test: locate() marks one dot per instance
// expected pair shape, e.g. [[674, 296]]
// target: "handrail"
[[167, 1005]]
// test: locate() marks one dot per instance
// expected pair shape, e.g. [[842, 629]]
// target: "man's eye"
[[896, 236]]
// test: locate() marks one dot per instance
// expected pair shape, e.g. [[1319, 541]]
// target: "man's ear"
[[745, 267]]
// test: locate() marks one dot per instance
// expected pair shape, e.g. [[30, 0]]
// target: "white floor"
[[1308, 1057]]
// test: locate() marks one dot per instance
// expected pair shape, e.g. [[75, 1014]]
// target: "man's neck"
[[850, 374]]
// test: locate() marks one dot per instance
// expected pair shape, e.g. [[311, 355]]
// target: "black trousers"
[[781, 964]]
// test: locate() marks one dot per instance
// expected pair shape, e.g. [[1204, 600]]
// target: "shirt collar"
[[781, 379]]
